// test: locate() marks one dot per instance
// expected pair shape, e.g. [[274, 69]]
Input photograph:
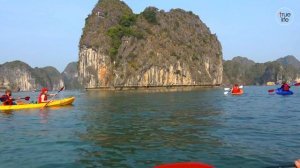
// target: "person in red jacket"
[[7, 99], [43, 96], [235, 89], [285, 86]]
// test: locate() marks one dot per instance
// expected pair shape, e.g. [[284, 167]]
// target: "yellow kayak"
[[62, 102]]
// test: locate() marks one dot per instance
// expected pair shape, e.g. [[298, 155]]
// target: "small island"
[[120, 49]]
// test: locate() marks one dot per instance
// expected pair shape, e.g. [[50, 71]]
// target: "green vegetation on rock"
[[128, 20], [150, 15], [124, 28]]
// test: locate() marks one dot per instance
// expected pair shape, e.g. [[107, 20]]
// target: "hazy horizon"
[[47, 33]]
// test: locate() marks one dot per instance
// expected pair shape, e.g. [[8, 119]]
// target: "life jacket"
[[7, 100], [285, 87], [235, 89], [40, 97]]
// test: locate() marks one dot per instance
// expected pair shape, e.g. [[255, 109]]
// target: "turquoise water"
[[146, 128]]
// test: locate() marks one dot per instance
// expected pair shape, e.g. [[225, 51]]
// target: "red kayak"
[[185, 165]]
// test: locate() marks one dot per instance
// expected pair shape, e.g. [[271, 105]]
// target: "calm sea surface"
[[146, 128]]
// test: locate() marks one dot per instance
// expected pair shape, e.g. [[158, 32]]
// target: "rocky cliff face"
[[18, 75], [70, 76], [154, 48], [48, 77], [289, 60]]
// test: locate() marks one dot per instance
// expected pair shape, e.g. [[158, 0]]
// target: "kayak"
[[238, 93], [62, 102], [279, 91]]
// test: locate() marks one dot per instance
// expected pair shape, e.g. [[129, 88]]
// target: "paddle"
[[185, 165], [272, 90], [25, 98], [53, 97], [225, 93], [297, 84]]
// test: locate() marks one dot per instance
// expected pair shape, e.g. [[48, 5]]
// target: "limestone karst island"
[[152, 49]]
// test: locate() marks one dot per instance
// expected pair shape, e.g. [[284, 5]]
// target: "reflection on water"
[[6, 113], [44, 116], [134, 129], [145, 128]]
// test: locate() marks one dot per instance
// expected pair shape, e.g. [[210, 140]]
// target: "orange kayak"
[[238, 93]]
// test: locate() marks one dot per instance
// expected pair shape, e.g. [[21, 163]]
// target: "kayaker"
[[43, 96], [7, 99], [235, 89], [285, 87]]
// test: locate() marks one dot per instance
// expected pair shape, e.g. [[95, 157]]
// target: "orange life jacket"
[[235, 89]]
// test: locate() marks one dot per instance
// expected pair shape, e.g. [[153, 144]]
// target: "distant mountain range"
[[244, 71], [18, 75]]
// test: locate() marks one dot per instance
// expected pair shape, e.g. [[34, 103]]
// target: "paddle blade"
[[225, 93], [241, 87], [226, 89], [27, 98], [185, 165], [61, 89], [297, 84], [271, 91]]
